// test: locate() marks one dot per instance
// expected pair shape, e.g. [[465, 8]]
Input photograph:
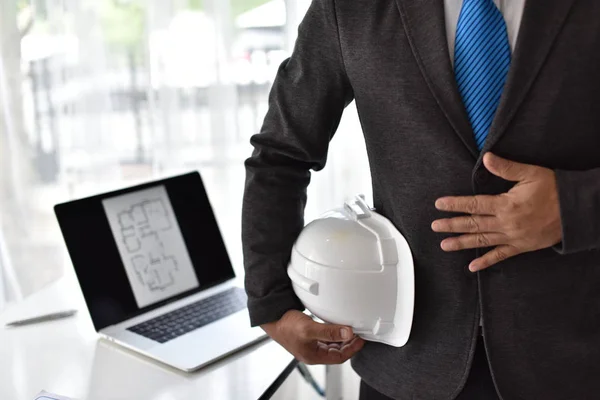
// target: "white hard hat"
[[352, 267]]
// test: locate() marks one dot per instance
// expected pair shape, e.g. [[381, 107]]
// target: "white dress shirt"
[[511, 9]]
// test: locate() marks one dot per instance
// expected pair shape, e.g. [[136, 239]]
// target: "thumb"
[[506, 169], [330, 333]]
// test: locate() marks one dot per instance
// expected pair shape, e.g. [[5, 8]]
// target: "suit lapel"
[[542, 21], [424, 23], [425, 26]]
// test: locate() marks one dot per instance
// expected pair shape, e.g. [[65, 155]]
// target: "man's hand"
[[525, 219], [311, 342]]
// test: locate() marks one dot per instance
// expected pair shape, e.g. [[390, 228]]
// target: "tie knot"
[[479, 5], [481, 2]]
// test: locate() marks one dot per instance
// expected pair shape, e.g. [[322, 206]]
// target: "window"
[[100, 94]]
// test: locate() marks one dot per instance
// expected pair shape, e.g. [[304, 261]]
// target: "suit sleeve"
[[579, 197], [306, 103]]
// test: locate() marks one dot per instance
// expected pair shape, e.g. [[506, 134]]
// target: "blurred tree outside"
[[123, 25], [124, 28], [241, 6], [237, 6]]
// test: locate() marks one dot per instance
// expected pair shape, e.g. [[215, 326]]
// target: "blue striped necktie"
[[481, 61]]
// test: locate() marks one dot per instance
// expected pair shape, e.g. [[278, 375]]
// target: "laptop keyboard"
[[193, 316]]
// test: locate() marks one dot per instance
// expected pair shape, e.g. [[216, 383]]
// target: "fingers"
[[473, 241], [493, 257], [480, 205], [335, 345], [466, 224], [352, 347], [328, 333], [329, 344], [340, 346], [506, 169], [327, 353]]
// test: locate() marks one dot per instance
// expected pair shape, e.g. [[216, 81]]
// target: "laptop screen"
[[140, 248]]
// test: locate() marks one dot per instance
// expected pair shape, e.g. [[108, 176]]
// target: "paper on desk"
[[43, 395]]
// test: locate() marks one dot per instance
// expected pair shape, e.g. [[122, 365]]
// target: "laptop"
[[155, 274]]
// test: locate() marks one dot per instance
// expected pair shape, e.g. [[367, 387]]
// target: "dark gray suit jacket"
[[541, 310]]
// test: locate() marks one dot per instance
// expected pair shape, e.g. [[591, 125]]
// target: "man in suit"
[[482, 125]]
